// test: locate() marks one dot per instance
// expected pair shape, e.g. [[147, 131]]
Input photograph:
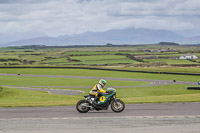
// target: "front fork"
[[116, 102]]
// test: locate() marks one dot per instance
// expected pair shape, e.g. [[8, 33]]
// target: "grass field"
[[99, 73], [177, 93], [98, 56], [171, 61], [10, 97], [51, 81], [164, 69], [102, 59]]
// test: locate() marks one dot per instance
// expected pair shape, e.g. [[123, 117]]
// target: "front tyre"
[[119, 107], [82, 106]]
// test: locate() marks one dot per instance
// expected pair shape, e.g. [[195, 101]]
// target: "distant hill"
[[6, 38], [191, 40], [118, 36]]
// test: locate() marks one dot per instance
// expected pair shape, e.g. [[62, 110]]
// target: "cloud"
[[77, 16]]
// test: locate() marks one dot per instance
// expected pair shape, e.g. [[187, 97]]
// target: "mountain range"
[[116, 36], [16, 36]]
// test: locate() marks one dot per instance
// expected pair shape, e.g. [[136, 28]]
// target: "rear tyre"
[[82, 106], [119, 107]]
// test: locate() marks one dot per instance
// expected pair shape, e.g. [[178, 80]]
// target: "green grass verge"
[[99, 73], [164, 99], [10, 97], [166, 90], [51, 81], [162, 69], [160, 94]]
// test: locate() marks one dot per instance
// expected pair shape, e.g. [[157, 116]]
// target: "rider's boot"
[[94, 103]]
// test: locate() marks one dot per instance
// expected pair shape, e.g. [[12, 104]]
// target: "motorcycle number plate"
[[102, 98]]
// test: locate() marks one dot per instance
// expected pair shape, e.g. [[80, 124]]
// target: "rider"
[[96, 89]]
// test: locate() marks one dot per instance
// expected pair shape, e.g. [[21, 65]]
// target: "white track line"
[[115, 117]]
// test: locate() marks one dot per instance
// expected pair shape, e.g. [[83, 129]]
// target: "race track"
[[136, 118]]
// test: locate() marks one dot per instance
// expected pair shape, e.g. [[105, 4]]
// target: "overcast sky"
[[59, 17]]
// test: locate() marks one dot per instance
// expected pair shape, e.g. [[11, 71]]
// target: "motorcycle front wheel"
[[82, 106], [117, 106]]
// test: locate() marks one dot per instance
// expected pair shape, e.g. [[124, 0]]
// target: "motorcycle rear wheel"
[[119, 107], [81, 106]]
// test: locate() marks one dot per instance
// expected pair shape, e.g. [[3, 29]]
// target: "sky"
[[65, 17]]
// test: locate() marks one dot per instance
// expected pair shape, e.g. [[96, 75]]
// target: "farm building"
[[188, 56]]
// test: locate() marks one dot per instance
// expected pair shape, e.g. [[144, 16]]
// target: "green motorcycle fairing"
[[105, 96]]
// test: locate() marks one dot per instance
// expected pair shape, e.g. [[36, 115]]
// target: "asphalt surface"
[[131, 110], [137, 118]]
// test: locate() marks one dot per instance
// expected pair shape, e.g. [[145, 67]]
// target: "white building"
[[188, 57]]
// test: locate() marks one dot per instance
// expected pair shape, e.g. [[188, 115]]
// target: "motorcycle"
[[104, 101]]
